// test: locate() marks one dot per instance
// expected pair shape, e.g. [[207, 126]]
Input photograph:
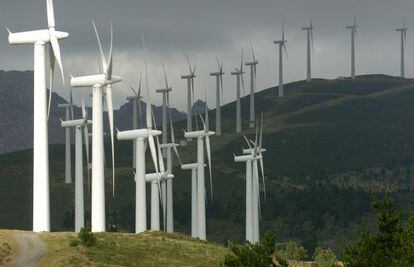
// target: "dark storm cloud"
[[204, 29]]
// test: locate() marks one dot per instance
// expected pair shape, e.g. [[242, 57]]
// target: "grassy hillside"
[[323, 139]]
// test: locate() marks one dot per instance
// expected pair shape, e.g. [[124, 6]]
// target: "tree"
[[391, 245]]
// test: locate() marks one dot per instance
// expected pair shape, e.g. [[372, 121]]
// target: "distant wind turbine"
[[81, 130], [219, 94], [403, 31], [282, 46], [68, 116], [353, 30], [190, 93], [309, 48], [253, 71], [239, 81], [136, 109]]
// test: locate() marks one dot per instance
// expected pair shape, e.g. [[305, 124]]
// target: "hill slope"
[[332, 145]]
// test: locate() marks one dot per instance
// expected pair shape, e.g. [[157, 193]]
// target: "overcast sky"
[[209, 28]]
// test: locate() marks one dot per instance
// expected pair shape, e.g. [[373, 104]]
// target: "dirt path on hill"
[[29, 250]]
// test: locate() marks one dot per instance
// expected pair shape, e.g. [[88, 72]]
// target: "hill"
[[119, 249], [16, 113], [332, 146]]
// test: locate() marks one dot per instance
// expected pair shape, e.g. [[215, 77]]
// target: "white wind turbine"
[[190, 93], [251, 157], [141, 135], [68, 116], [403, 31], [81, 132], [98, 82], [219, 94], [309, 48], [353, 30], [136, 108], [167, 184], [282, 46], [194, 198], [253, 71], [40, 38], [203, 135], [239, 80]]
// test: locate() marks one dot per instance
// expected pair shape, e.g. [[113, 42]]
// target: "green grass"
[[120, 249]]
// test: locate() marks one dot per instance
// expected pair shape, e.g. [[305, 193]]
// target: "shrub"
[[293, 251], [258, 255], [324, 257], [87, 238], [74, 242]]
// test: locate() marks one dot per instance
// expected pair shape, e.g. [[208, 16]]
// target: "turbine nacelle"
[[190, 76], [32, 37], [151, 177], [130, 98], [75, 123], [93, 80], [137, 134], [163, 90], [250, 151], [190, 166], [245, 158], [169, 145], [198, 134]]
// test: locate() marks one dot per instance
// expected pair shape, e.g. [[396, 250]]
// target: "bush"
[[258, 255], [324, 257], [74, 242], [87, 238], [293, 251]]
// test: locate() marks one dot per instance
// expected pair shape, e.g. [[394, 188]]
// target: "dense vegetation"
[[332, 145]]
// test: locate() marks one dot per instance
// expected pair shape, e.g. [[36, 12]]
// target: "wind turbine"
[[403, 31], [253, 67], [239, 80], [190, 93], [81, 130], [251, 157], [136, 108], [167, 184], [309, 47], [203, 135], [219, 94], [282, 46], [68, 116], [40, 38], [353, 30], [98, 82], [141, 135]]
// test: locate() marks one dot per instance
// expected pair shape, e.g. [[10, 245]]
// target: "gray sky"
[[206, 29]]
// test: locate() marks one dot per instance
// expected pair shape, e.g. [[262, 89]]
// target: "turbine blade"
[[71, 103], [51, 74], [56, 51], [251, 45], [133, 90], [103, 60], [153, 152], [165, 76], [208, 148], [189, 64], [50, 14], [173, 136], [148, 106], [86, 137], [108, 71], [84, 114], [111, 129]]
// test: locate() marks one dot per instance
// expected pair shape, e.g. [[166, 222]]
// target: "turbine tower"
[[282, 46], [239, 80], [253, 67], [190, 93], [219, 94], [40, 38], [167, 184], [136, 108], [353, 30], [81, 130], [309, 48], [203, 135], [98, 82], [194, 198], [403, 31]]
